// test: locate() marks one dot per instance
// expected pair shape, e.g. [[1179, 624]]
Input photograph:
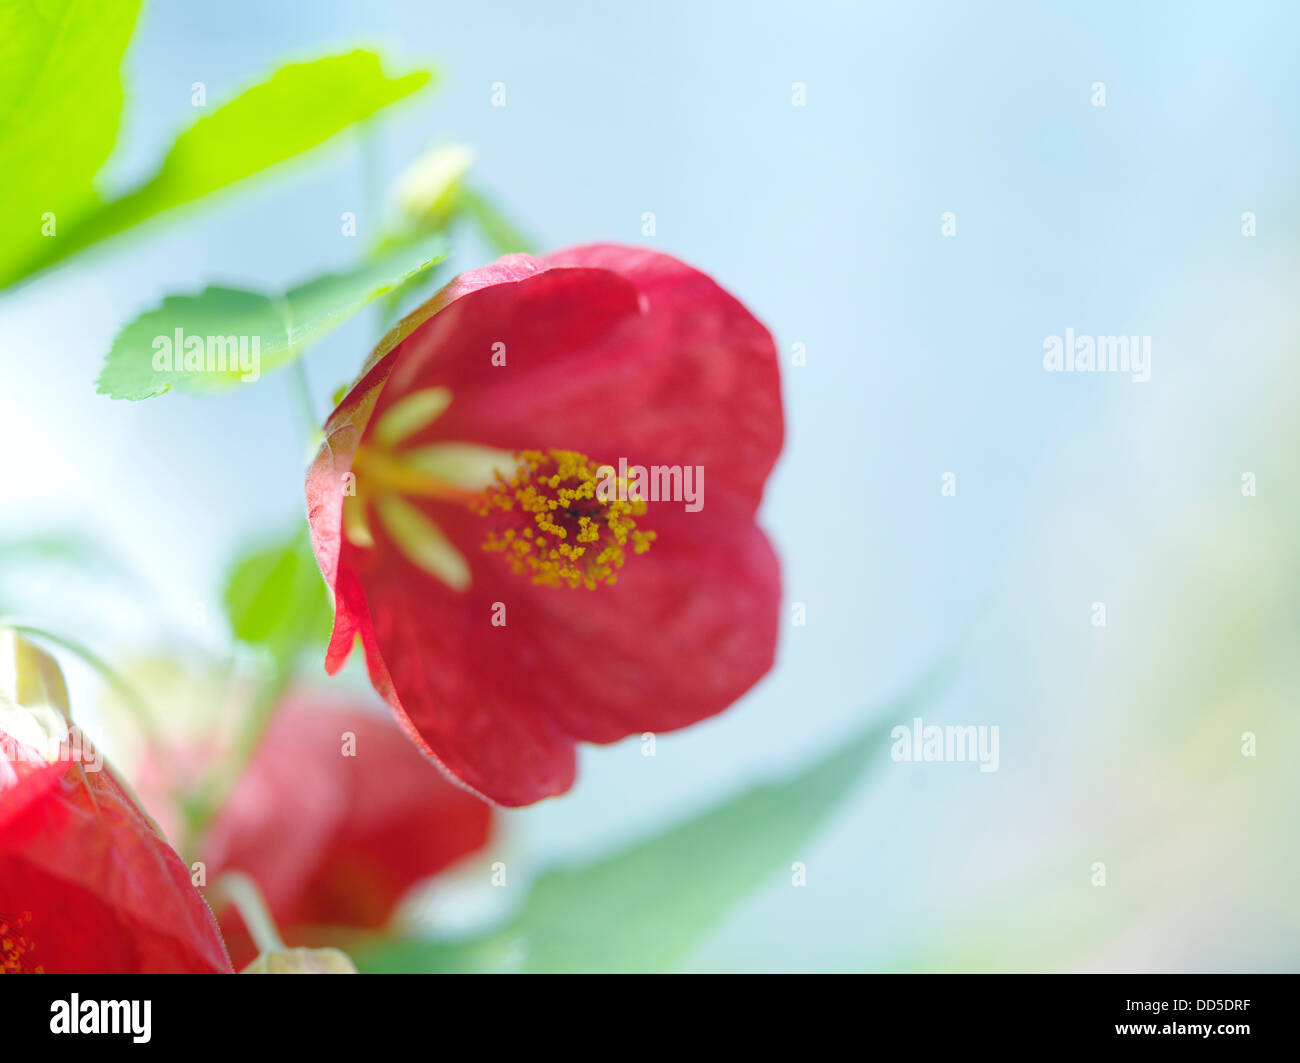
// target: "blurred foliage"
[[300, 106], [60, 103], [60, 98], [504, 236], [275, 599], [27, 562], [67, 548], [644, 908]]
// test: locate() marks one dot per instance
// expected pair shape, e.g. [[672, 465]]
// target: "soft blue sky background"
[[924, 356]]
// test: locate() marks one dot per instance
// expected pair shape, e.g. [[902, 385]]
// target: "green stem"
[[302, 386], [242, 892], [369, 141], [502, 233], [253, 726]]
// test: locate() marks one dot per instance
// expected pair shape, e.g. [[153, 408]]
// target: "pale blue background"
[[924, 356]]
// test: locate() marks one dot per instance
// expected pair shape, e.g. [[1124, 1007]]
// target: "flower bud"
[[428, 189], [301, 961], [34, 709]]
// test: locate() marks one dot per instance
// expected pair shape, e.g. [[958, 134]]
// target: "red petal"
[[104, 892], [335, 840], [689, 627], [654, 363]]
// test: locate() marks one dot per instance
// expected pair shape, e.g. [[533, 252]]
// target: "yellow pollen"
[[14, 947], [571, 534]]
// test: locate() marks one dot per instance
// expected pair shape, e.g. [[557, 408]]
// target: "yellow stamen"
[[14, 946], [571, 534], [423, 541], [411, 414], [388, 481], [388, 472]]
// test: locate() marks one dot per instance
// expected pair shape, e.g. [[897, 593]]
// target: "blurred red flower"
[[506, 608], [337, 816], [87, 884]]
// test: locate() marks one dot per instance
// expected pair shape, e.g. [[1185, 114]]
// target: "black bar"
[[561, 1014]]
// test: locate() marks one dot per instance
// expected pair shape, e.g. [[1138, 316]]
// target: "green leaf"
[[60, 99], [300, 106], [275, 598], [243, 334], [644, 908]]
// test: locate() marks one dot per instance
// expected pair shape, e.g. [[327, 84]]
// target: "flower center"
[[556, 516], [562, 527], [14, 946]]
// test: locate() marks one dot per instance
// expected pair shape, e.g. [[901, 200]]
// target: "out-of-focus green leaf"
[[27, 563], [243, 334], [644, 908], [60, 99], [57, 548], [275, 598], [300, 106]]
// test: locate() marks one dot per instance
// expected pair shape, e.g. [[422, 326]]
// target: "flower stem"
[[499, 231], [242, 892], [201, 812], [303, 388]]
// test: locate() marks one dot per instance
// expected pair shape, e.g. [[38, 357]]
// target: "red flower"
[[507, 619], [335, 829], [87, 885]]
